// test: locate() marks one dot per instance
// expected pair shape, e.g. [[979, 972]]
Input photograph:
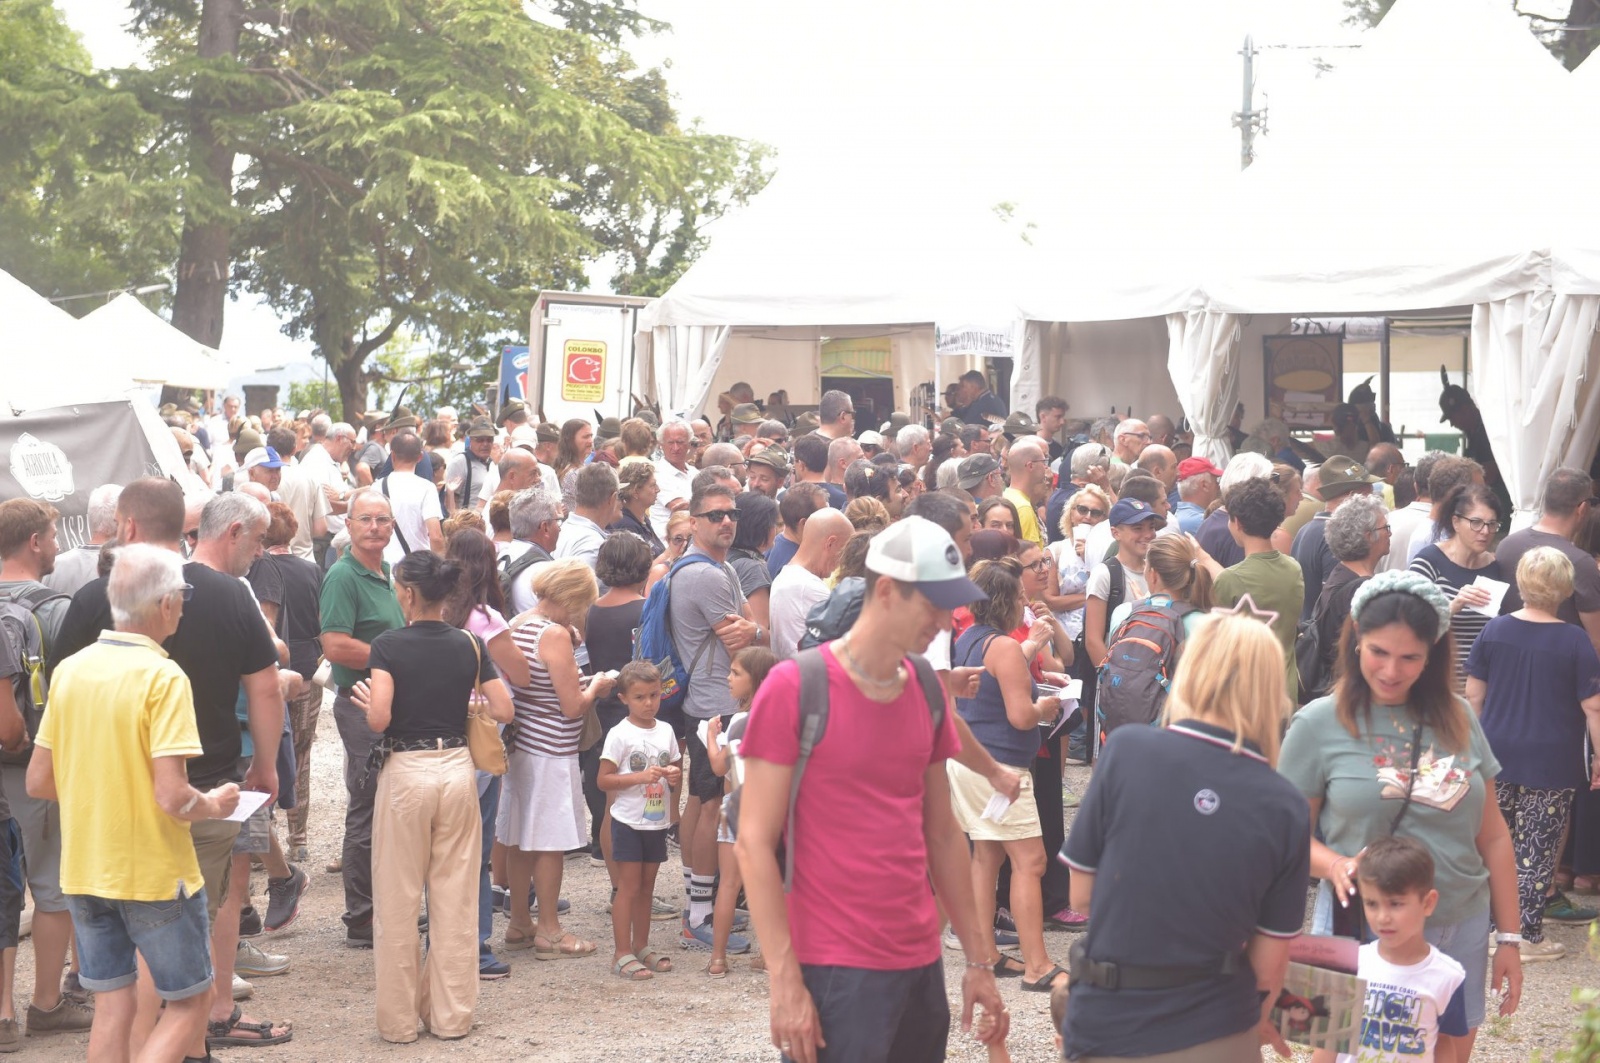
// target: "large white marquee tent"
[[1432, 170]]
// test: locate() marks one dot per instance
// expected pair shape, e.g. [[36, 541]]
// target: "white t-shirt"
[[1401, 1023], [1097, 542], [632, 749], [1072, 575], [319, 465], [735, 774], [795, 590], [938, 652], [415, 501], [674, 485], [1135, 586], [1402, 524]]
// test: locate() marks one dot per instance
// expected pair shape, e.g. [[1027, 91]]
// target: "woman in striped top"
[[541, 805], [1466, 522]]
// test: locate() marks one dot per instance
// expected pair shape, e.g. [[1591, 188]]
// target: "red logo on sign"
[[584, 369]]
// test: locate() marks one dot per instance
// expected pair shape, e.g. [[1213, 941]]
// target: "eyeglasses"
[[1478, 525], [848, 413], [1380, 529], [187, 591], [1138, 435], [717, 516], [1086, 511], [193, 535], [681, 540], [370, 519], [1041, 565]]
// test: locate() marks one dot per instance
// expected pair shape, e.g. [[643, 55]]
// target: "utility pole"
[[1247, 119]]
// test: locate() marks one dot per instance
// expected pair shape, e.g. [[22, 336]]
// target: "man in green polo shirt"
[[358, 605]]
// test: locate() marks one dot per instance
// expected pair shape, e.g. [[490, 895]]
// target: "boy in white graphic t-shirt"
[[1413, 989]]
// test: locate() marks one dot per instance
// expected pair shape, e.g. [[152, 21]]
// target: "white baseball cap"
[[917, 551], [870, 438]]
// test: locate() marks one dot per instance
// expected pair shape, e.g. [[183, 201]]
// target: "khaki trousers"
[[426, 832], [303, 714]]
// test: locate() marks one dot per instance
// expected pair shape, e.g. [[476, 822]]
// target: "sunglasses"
[[1086, 511], [717, 516]]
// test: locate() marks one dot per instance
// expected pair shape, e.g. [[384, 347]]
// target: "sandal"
[[561, 950], [1003, 967], [629, 968], [759, 963], [655, 961], [220, 1033], [1045, 984], [520, 942], [1586, 884], [718, 968]]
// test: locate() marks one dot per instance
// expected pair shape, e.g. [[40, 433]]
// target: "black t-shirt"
[[609, 636], [1240, 834], [87, 616], [266, 580], [221, 638], [433, 668], [300, 615]]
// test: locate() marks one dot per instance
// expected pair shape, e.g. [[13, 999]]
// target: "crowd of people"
[[833, 672]]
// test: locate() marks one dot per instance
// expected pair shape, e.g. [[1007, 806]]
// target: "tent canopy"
[[49, 362], [154, 351]]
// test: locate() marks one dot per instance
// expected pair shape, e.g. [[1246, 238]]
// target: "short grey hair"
[[722, 454], [1354, 524], [340, 430], [321, 425], [596, 485], [1190, 486], [228, 509], [833, 406], [1086, 457], [910, 437], [772, 430], [442, 410], [712, 474], [103, 510], [949, 476], [841, 448], [141, 576], [1245, 466], [661, 433], [529, 509], [1128, 427]]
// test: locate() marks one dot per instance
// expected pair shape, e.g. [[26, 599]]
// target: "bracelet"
[[1508, 939], [979, 965]]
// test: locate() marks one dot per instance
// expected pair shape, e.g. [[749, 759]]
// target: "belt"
[[1082, 969], [386, 745]]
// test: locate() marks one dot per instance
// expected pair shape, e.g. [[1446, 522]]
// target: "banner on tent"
[[980, 341], [60, 455], [513, 374]]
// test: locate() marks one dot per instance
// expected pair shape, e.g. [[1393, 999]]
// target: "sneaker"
[[72, 989], [699, 939], [359, 936], [254, 963], [1003, 920], [1560, 909], [1005, 938], [500, 900], [65, 1017], [25, 924], [492, 968], [1067, 919], [596, 857], [10, 1035], [661, 911], [283, 898], [949, 940], [1534, 951], [242, 990], [563, 906], [249, 922], [578, 853], [299, 854]]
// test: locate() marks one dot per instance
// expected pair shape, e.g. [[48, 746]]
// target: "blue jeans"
[[488, 805], [170, 935]]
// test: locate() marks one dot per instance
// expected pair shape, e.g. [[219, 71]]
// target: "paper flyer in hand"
[[1322, 1001], [249, 801]]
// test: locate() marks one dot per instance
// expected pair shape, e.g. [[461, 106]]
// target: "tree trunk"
[[1576, 44], [203, 258], [352, 379]]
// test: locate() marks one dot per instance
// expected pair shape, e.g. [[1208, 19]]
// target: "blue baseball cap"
[[262, 458], [1133, 511]]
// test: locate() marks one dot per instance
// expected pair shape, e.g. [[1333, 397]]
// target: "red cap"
[[1190, 466]]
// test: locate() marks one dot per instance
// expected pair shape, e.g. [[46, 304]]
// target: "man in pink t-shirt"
[[853, 951]]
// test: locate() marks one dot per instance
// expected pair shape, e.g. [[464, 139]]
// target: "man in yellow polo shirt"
[[1030, 479], [112, 749]]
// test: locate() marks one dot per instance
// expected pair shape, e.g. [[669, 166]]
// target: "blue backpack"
[[654, 640]]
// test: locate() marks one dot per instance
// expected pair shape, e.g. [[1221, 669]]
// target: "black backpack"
[[813, 724], [511, 569], [836, 614], [22, 640]]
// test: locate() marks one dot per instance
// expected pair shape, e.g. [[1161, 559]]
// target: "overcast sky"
[[1008, 100]]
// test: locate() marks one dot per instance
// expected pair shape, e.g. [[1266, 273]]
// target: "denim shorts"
[[170, 935], [630, 845]]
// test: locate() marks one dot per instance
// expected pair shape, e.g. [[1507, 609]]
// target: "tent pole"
[[1383, 372]]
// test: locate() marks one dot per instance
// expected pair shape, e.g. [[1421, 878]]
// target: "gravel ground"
[[575, 1010]]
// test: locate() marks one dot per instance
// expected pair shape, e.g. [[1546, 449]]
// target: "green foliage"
[[315, 395], [86, 181]]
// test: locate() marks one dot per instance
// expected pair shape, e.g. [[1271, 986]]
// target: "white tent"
[[151, 349], [46, 357]]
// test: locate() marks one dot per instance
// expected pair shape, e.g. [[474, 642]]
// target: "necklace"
[[861, 674]]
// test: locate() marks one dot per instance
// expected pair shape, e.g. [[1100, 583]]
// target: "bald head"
[[518, 470], [1385, 460], [821, 541], [1160, 462], [1162, 430], [255, 491], [1027, 462]]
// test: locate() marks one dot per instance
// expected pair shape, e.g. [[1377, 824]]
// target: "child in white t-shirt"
[[638, 769], [746, 673], [1413, 989]]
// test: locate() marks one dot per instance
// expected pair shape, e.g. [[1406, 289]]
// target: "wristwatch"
[[1508, 939]]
